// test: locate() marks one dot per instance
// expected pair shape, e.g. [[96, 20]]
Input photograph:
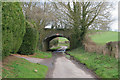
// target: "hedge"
[[30, 40], [13, 27]]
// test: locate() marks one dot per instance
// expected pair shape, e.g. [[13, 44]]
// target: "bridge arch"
[[47, 39]]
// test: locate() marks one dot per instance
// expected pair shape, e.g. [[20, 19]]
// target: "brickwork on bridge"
[[49, 34]]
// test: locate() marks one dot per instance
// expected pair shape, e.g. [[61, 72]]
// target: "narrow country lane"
[[61, 67], [65, 68]]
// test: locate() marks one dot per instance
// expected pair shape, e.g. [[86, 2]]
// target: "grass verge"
[[0, 70], [20, 68], [104, 37], [40, 54], [103, 65]]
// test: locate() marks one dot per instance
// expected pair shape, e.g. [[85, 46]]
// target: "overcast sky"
[[114, 25]]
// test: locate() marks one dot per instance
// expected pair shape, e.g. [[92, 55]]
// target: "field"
[[61, 43], [103, 65], [62, 39], [20, 68], [104, 37]]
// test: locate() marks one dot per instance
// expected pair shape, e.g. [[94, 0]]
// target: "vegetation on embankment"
[[64, 42], [30, 41], [14, 67], [61, 42], [54, 42], [104, 37], [40, 54], [103, 65], [18, 35], [13, 27], [62, 39]]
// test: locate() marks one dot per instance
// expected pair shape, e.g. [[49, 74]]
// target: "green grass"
[[0, 71], [62, 39], [21, 68], [62, 43], [94, 31], [40, 54], [67, 56], [104, 37], [103, 66], [58, 47]]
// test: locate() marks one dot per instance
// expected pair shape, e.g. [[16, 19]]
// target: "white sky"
[[114, 25]]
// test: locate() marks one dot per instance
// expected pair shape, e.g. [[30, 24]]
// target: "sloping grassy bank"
[[103, 37], [103, 66], [20, 68]]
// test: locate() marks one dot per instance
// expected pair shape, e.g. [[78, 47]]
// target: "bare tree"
[[103, 20], [38, 12], [80, 16], [77, 16]]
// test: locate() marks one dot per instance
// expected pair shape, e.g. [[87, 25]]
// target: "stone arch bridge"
[[48, 34]]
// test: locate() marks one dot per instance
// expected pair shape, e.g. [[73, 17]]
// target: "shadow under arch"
[[47, 40]]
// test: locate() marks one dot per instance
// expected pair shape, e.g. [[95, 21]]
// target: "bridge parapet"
[[49, 34], [52, 32]]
